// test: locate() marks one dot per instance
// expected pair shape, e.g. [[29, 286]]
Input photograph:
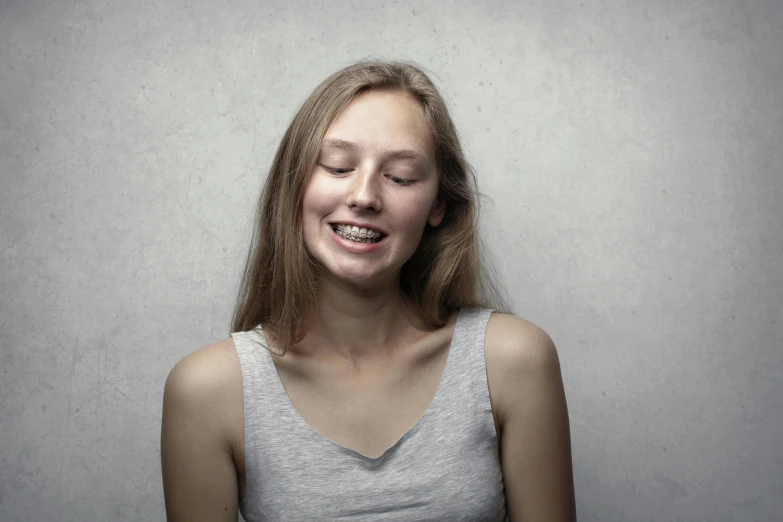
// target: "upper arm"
[[199, 474], [535, 444]]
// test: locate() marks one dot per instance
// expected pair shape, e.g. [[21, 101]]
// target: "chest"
[[369, 411]]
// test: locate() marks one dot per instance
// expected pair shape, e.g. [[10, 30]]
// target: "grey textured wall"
[[632, 151]]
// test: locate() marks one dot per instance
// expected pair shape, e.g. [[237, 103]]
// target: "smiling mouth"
[[359, 235]]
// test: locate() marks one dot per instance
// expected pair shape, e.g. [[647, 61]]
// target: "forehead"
[[383, 120]]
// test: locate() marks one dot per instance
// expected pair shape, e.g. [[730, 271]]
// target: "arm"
[[199, 474], [535, 443]]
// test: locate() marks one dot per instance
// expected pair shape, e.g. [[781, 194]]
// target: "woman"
[[367, 377]]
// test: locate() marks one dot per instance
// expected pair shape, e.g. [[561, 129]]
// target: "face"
[[373, 189]]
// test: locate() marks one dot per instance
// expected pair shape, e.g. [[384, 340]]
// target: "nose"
[[364, 192]]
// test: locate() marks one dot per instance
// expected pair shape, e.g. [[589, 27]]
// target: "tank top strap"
[[462, 403], [263, 395], [256, 367], [465, 364]]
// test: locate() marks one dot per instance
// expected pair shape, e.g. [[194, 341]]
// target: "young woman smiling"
[[366, 376]]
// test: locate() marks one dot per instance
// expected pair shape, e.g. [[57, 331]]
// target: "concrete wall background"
[[632, 151]]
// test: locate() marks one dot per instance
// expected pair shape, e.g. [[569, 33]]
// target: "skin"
[[362, 177], [367, 316]]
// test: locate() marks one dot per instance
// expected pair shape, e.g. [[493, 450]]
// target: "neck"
[[360, 327]]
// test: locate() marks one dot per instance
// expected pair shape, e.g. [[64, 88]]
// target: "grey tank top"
[[445, 468]]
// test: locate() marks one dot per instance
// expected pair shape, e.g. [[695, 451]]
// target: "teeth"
[[362, 235]]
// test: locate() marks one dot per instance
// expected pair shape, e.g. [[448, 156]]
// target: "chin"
[[359, 279]]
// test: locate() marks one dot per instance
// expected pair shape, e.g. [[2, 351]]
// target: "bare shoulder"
[[520, 343], [535, 446], [207, 373], [518, 351], [206, 387], [202, 420]]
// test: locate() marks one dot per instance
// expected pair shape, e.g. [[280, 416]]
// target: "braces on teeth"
[[361, 235]]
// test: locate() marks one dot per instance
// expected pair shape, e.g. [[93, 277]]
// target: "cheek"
[[415, 212], [315, 201], [421, 205]]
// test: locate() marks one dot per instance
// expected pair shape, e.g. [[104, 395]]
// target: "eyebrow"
[[391, 154]]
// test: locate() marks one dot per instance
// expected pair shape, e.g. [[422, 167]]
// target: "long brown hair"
[[445, 273]]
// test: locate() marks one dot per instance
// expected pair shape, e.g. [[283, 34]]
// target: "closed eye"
[[400, 181], [339, 171], [336, 170]]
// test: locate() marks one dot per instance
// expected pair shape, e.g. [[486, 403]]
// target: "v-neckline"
[[288, 405]]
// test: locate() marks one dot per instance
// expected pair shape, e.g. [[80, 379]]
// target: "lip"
[[360, 225], [353, 246]]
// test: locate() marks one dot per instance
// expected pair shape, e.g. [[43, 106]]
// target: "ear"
[[436, 214]]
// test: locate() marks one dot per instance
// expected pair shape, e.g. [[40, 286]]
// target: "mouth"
[[357, 234]]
